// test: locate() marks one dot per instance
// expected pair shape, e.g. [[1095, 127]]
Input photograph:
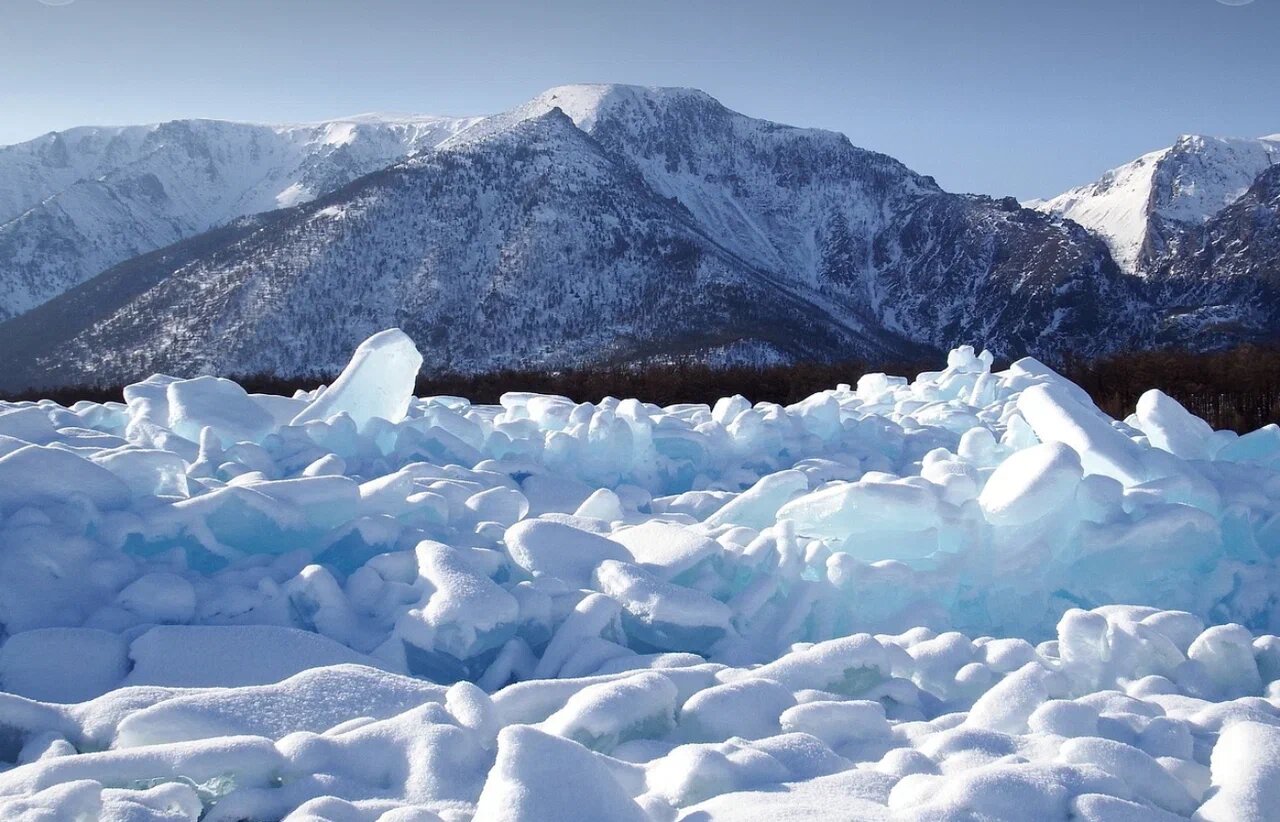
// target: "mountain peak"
[[1182, 185], [588, 103]]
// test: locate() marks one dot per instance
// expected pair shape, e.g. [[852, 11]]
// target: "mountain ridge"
[[1138, 206], [609, 223], [630, 232], [83, 200]]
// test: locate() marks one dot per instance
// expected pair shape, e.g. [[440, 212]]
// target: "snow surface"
[[972, 596]]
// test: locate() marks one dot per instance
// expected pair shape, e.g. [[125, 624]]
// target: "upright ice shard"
[[378, 382]]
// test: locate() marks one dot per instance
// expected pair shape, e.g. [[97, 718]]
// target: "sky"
[[1002, 97]]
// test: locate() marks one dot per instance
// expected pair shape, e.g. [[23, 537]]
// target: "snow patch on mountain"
[[1115, 206]]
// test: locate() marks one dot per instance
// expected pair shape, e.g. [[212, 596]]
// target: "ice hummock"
[[971, 595]]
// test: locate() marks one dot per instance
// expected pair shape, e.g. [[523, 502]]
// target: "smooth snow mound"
[[894, 601]]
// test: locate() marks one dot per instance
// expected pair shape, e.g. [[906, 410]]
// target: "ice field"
[[969, 597]]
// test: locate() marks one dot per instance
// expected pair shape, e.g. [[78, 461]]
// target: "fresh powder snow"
[[969, 596]]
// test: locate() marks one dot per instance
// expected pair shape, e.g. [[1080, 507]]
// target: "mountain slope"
[[862, 232], [612, 223], [74, 203], [1220, 283], [483, 277], [1140, 206]]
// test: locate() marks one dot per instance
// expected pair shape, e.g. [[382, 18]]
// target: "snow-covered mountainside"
[[1220, 282], [602, 222], [1140, 206], [76, 202]]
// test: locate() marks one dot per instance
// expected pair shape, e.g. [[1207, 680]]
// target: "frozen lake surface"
[[972, 596]]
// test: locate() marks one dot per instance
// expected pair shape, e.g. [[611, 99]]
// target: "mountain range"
[[75, 203], [599, 223]]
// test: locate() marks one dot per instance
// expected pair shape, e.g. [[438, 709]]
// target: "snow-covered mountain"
[[1219, 283], [1140, 206], [601, 223], [76, 202], [1199, 224]]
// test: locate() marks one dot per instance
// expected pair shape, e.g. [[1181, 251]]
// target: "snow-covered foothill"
[[968, 596]]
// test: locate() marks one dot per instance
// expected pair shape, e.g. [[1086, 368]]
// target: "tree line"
[[1238, 389]]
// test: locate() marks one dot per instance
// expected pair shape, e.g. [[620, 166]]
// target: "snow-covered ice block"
[[314, 699], [149, 472], [1057, 417], [838, 723], [1226, 656], [757, 507], [553, 549], [1031, 484], [262, 517], [465, 615], [1029, 371], [603, 504], [505, 506], [749, 708], [63, 664], [849, 666], [1063, 717], [846, 508], [160, 597], [30, 425], [665, 549], [854, 794], [245, 761], [1010, 704], [193, 656], [1171, 427], [594, 616], [1246, 774], [1261, 446], [39, 476], [1143, 774], [420, 757], [659, 615], [605, 715], [218, 404], [539, 777], [1000, 791]]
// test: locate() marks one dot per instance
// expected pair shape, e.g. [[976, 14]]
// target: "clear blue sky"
[[1023, 97]]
